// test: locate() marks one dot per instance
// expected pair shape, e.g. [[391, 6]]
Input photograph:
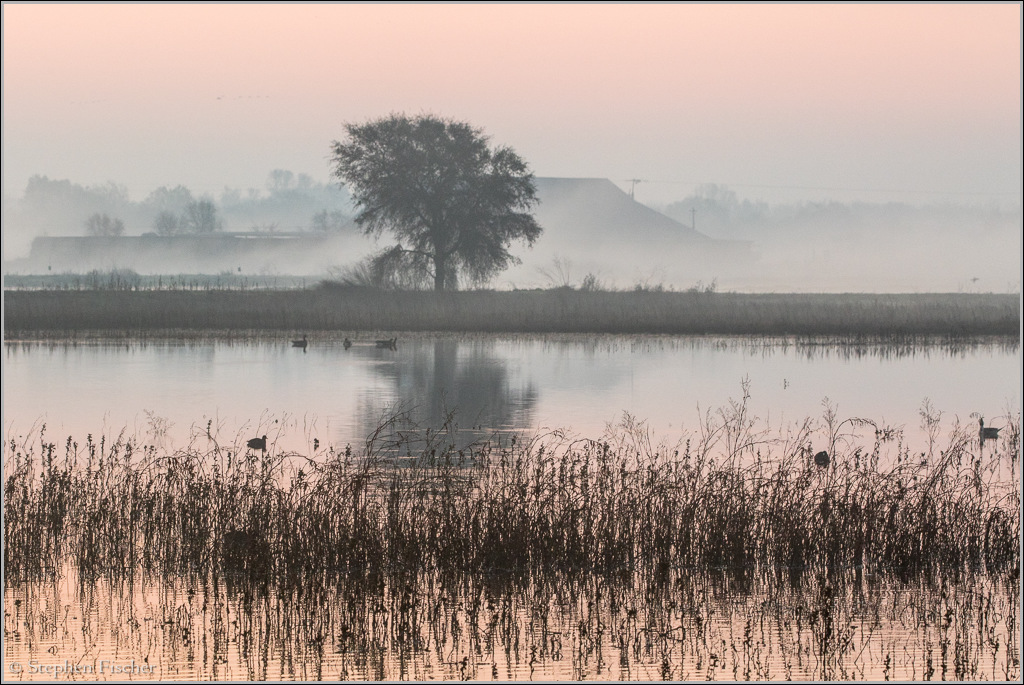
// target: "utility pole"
[[632, 187], [693, 218]]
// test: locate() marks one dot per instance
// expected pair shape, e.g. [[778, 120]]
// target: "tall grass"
[[729, 555], [559, 310], [127, 279], [731, 498]]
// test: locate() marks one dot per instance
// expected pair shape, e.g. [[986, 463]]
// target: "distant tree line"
[[103, 225], [199, 217], [289, 202], [718, 211]]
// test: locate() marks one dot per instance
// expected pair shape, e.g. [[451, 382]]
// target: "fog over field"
[[859, 147], [595, 235]]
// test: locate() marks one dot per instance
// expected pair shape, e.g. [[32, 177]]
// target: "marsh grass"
[[127, 279], [729, 555], [333, 308], [730, 498]]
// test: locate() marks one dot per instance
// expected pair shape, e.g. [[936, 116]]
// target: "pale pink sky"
[[836, 101]]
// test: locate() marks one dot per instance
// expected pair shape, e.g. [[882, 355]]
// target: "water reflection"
[[335, 394], [450, 382], [429, 627]]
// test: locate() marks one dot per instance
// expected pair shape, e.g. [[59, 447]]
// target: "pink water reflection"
[[173, 392]]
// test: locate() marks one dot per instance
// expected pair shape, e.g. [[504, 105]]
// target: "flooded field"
[[559, 628], [729, 509], [167, 391]]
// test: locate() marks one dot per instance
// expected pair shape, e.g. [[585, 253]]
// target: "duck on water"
[[986, 433]]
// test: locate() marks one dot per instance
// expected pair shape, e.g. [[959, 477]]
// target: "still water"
[[169, 391], [579, 631], [835, 623]]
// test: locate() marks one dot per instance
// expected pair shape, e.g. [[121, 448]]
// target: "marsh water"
[[576, 631], [845, 623], [168, 391]]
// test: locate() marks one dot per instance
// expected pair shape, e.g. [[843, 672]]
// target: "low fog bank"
[[595, 236], [289, 203], [729, 244], [863, 246]]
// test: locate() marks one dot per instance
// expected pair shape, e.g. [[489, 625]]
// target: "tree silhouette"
[[454, 203], [201, 217], [104, 225]]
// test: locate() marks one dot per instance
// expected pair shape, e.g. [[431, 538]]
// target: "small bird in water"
[[986, 433], [821, 459], [300, 343], [347, 343], [258, 444]]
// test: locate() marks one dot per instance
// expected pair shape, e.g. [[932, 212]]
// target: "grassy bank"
[[549, 311]]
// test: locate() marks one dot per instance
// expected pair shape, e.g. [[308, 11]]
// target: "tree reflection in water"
[[449, 384]]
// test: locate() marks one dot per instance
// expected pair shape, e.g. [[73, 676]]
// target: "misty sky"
[[872, 102]]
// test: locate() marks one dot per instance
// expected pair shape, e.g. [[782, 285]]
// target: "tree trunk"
[[440, 271]]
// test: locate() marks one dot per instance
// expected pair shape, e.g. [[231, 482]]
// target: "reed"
[[731, 555], [332, 308], [729, 500], [695, 628], [127, 279]]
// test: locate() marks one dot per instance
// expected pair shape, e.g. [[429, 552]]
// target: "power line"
[[632, 186]]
